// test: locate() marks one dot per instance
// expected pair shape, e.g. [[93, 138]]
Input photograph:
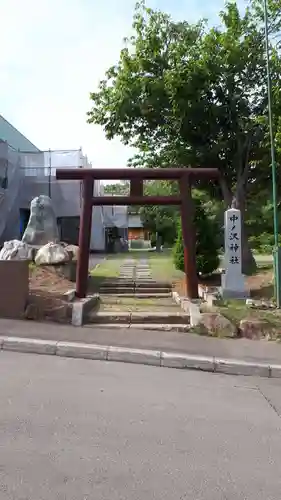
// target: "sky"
[[53, 54]]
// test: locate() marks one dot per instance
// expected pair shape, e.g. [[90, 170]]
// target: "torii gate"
[[184, 176]]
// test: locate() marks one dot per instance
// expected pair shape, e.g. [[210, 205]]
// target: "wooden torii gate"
[[184, 176]]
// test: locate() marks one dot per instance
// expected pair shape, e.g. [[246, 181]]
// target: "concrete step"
[[116, 290], [121, 282], [141, 326], [143, 317], [137, 295], [152, 284], [135, 282], [109, 317], [160, 317], [153, 304], [152, 295], [152, 290], [137, 291]]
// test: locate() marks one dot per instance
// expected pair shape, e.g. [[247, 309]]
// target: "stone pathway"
[[127, 270], [135, 270]]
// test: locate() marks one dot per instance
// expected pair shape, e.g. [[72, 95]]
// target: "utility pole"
[[273, 161]]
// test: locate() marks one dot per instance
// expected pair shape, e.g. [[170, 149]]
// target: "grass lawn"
[[110, 267], [162, 266], [163, 269]]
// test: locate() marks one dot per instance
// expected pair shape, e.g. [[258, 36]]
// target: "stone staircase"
[[140, 320], [136, 288], [135, 300], [135, 280]]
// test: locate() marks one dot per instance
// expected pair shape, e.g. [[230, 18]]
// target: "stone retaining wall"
[[14, 285]]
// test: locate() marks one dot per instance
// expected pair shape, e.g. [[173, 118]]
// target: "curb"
[[190, 307], [139, 356], [81, 308]]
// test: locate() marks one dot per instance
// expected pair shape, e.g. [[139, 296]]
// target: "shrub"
[[263, 243], [207, 242]]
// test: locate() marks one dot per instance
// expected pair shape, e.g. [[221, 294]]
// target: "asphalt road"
[[83, 430]]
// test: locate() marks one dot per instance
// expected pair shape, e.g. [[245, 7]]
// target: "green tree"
[[164, 219], [274, 18], [207, 242], [118, 188], [160, 220], [188, 95]]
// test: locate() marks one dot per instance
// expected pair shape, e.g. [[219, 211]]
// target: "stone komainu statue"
[[42, 225]]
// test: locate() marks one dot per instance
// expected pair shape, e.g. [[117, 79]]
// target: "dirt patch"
[[260, 284], [46, 306], [46, 289], [46, 279], [213, 280], [180, 287]]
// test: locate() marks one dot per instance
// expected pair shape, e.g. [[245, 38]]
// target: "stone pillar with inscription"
[[233, 281]]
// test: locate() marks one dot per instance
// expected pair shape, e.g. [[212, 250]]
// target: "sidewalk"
[[171, 342]]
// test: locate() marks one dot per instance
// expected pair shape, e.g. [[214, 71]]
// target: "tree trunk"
[[249, 265], [244, 145], [158, 242]]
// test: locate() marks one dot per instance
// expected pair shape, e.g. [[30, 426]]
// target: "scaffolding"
[[25, 175]]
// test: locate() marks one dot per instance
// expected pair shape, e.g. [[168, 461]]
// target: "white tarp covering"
[[10, 188], [40, 178], [115, 216], [25, 175]]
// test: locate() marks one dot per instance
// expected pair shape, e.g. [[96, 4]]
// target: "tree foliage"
[[207, 242], [160, 220], [117, 189], [189, 95]]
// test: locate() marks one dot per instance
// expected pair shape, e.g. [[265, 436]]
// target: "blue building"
[[14, 138]]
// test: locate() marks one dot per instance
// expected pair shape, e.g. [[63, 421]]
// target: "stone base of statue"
[[233, 286]]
